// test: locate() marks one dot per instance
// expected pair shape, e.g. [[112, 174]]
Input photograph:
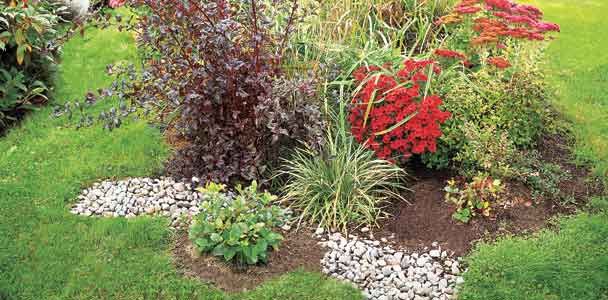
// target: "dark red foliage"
[[390, 114], [214, 63]]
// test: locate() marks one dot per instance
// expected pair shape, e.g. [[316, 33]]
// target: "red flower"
[[117, 3], [499, 62], [449, 54], [467, 9], [395, 99], [505, 5]]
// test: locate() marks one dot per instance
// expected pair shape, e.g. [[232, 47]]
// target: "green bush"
[[28, 50], [238, 229], [343, 184], [505, 112], [16, 95]]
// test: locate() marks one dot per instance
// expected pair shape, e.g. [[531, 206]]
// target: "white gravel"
[[384, 273], [140, 196]]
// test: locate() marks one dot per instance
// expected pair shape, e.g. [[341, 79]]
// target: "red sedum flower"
[[450, 54], [499, 62]]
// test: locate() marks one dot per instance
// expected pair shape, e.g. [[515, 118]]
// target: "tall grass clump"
[[354, 32], [344, 184]]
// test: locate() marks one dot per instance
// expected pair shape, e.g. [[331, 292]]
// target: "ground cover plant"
[[239, 229]]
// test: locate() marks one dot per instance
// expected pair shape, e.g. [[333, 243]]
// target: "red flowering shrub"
[[390, 113], [497, 21]]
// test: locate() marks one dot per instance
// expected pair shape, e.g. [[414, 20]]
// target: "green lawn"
[[572, 262], [579, 63], [47, 253]]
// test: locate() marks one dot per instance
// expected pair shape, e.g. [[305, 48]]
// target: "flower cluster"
[[495, 21], [389, 113], [117, 3]]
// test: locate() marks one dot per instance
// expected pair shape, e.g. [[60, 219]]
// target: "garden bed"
[[429, 218], [299, 251]]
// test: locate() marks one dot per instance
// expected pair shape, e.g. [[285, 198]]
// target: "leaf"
[[203, 244], [250, 255], [218, 250], [216, 237], [405, 120], [229, 253], [235, 232], [21, 53]]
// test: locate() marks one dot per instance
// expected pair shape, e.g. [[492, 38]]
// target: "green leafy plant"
[[29, 45], [343, 184], [486, 150], [516, 110], [238, 229], [543, 178], [26, 32], [474, 198], [16, 95]]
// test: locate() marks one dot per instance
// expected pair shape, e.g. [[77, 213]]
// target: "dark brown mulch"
[[429, 218], [299, 250]]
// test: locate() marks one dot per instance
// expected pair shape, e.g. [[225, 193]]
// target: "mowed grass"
[[570, 262], [578, 64], [48, 253]]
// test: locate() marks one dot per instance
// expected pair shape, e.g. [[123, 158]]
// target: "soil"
[[429, 219], [299, 251], [415, 225]]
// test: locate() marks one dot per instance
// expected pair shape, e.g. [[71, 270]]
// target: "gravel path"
[[384, 273]]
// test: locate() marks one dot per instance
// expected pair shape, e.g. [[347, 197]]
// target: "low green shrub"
[[489, 112], [543, 178], [239, 229], [487, 151], [17, 94]]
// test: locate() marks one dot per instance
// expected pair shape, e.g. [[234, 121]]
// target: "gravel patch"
[[385, 273], [141, 196]]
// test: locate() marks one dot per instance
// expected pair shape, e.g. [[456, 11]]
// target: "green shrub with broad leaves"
[[238, 229]]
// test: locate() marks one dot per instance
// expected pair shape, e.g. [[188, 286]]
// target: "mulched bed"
[[299, 251], [414, 226], [429, 218]]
